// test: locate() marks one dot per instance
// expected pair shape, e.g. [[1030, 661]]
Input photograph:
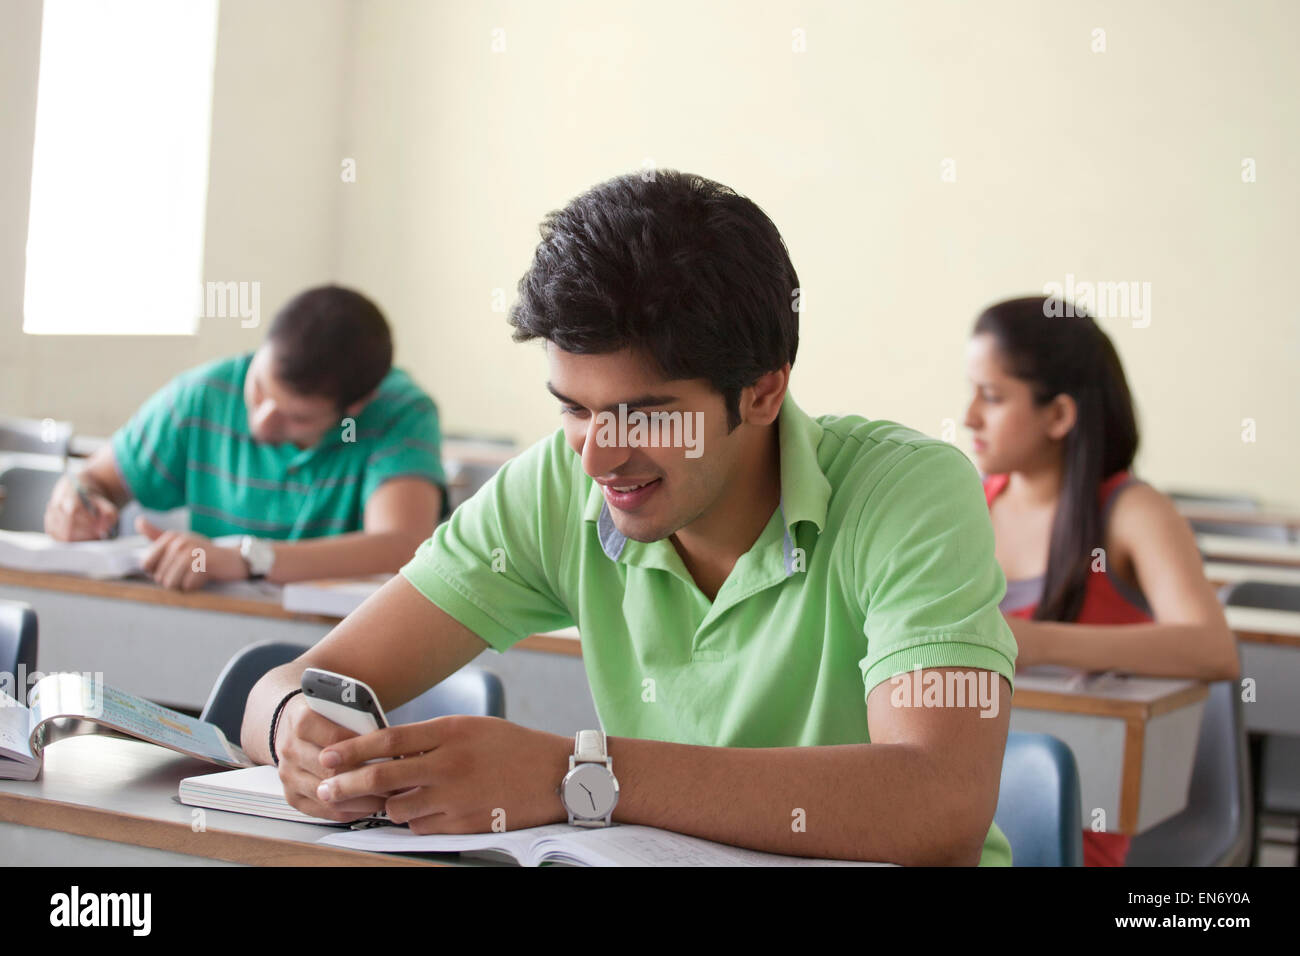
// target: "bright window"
[[120, 167]]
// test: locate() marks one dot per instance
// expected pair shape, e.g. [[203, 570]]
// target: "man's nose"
[[600, 459]]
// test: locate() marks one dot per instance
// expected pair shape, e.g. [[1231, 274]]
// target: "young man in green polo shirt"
[[790, 625], [312, 457]]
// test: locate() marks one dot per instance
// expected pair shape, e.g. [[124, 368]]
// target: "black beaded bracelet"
[[275, 720]]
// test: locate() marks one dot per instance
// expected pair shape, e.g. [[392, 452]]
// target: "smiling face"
[[677, 489], [277, 414], [1011, 432]]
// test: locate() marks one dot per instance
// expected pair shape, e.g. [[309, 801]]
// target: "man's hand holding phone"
[[456, 774], [299, 738], [331, 708]]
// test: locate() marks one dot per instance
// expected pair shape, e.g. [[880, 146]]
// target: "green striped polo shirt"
[[878, 561], [189, 445]]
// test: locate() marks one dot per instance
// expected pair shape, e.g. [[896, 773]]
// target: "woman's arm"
[[1190, 636]]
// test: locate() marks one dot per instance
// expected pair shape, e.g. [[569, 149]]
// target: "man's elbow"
[[960, 845]]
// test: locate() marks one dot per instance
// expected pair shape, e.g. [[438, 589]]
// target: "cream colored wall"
[[1114, 166], [272, 204]]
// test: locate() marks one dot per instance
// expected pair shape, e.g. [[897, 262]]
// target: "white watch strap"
[[590, 746]]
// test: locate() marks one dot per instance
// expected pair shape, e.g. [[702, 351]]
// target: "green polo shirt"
[[190, 445], [878, 560]]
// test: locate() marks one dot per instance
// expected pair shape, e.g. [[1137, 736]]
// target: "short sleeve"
[[151, 449], [927, 571], [497, 563], [410, 445]]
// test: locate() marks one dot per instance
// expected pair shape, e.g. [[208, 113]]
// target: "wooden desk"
[[1220, 573], [170, 646], [1202, 512], [1269, 642], [1133, 738], [1225, 547], [108, 801]]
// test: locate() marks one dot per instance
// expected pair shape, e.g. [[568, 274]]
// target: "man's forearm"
[[880, 802], [345, 555]]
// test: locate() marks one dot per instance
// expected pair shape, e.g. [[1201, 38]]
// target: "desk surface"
[[1203, 512], [1127, 697], [1229, 572], [1226, 547], [124, 791], [258, 599], [1259, 625]]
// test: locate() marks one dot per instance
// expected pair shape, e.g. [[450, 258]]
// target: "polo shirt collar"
[[805, 491]]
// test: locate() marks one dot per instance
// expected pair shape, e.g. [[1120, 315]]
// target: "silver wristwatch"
[[258, 555], [589, 790]]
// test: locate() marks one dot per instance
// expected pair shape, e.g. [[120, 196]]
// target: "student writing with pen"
[[312, 457], [1103, 573]]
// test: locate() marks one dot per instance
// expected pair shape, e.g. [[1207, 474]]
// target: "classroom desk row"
[[109, 801], [1134, 739], [170, 646]]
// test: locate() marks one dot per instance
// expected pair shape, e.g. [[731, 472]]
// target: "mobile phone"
[[348, 702]]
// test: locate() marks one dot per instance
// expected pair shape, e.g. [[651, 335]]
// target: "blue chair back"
[[1216, 827], [17, 644], [468, 691], [1039, 807]]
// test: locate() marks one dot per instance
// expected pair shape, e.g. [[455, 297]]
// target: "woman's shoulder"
[[1136, 507]]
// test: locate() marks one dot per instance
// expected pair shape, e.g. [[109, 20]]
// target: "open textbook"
[[64, 705], [35, 551], [619, 845]]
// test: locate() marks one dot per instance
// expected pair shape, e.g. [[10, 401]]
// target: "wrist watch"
[[258, 555], [589, 790]]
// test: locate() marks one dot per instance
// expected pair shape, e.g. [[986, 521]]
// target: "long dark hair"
[[1058, 353]]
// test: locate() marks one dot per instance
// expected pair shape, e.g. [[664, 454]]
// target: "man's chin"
[[642, 531]]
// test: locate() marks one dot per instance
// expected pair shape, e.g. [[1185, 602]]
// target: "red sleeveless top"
[[1107, 599]]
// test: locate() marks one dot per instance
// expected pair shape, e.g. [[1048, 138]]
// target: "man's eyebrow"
[[639, 401]]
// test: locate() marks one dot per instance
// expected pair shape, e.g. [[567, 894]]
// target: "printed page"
[[77, 695], [15, 727], [614, 846], [517, 843], [625, 845]]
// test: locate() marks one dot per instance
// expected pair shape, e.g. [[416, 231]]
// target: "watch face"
[[589, 791]]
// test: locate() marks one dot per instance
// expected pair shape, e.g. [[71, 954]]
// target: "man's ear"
[[353, 410], [760, 403]]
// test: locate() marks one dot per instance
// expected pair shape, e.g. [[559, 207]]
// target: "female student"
[[1102, 571]]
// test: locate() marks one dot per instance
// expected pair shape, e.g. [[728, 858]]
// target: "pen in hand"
[[90, 505]]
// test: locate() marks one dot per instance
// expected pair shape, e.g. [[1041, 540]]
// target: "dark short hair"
[[332, 342], [671, 264]]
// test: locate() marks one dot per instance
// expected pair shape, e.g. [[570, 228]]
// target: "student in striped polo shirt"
[[311, 457]]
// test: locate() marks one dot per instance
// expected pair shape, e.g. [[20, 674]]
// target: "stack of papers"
[[35, 551]]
